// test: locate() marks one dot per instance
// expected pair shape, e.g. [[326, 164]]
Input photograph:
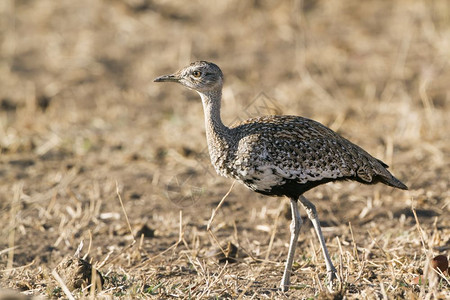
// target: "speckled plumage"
[[288, 155], [279, 155]]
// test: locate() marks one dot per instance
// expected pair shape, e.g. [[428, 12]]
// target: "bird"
[[279, 155]]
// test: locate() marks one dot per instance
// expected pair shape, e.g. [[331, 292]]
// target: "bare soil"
[[83, 127]]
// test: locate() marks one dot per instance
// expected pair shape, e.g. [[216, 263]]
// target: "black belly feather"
[[293, 189]]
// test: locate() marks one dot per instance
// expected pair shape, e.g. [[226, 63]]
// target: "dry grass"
[[79, 113]]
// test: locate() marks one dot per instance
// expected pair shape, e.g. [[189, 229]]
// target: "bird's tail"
[[394, 182], [387, 178]]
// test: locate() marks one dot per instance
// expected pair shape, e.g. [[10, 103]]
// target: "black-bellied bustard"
[[279, 155]]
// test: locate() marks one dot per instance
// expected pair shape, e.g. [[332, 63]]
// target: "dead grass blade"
[[63, 285], [124, 211], [213, 215], [274, 230], [12, 223]]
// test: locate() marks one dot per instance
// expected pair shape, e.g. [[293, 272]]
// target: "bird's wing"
[[304, 150]]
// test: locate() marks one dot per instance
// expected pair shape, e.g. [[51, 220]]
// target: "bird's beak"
[[167, 78]]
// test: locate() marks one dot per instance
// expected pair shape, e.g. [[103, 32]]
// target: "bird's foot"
[[332, 276], [285, 282], [284, 288]]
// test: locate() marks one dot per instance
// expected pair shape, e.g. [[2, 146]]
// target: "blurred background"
[[79, 113]]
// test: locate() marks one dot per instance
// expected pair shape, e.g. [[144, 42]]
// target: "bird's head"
[[201, 76]]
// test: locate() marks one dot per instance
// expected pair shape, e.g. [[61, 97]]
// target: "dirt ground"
[[83, 128]]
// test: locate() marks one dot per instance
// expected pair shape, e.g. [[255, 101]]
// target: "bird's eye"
[[197, 74]]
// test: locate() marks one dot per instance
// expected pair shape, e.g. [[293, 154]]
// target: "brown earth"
[[81, 122]]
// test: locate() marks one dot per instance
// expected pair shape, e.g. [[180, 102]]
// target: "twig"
[[252, 280], [90, 243], [7, 250], [12, 222], [18, 268], [341, 263], [63, 285], [427, 254], [355, 249], [419, 229], [78, 251], [274, 231], [180, 239], [386, 254], [94, 284], [382, 290], [105, 261], [213, 215], [123, 208]]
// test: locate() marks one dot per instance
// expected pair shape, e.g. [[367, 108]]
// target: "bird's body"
[[279, 155], [288, 155]]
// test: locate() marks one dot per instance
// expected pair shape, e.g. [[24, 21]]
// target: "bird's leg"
[[312, 214], [295, 229]]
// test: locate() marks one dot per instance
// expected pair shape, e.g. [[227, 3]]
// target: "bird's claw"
[[331, 274]]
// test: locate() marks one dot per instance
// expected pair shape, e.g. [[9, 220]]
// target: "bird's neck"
[[217, 134]]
